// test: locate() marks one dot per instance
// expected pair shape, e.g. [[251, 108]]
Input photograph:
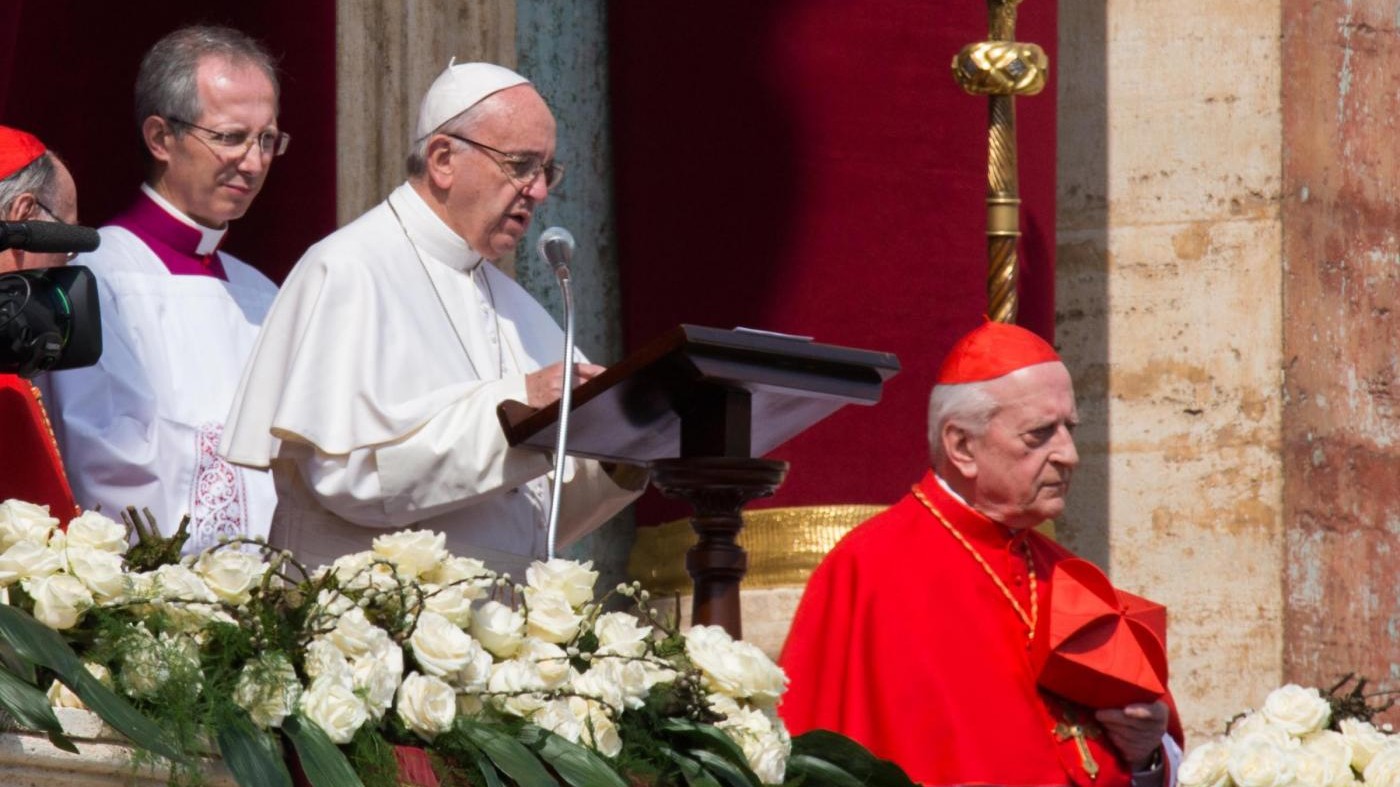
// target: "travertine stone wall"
[[1341, 343], [1170, 317]]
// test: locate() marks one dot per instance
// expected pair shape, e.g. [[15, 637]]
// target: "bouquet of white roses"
[[241, 648], [1299, 737]]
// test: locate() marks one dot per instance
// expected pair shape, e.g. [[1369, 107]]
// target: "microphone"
[[47, 236], [556, 245]]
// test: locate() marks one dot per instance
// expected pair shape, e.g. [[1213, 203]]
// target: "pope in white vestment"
[[373, 391]]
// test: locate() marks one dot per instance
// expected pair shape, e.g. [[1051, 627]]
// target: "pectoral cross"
[[1071, 728]]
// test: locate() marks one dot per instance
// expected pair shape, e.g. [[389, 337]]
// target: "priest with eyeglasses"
[[179, 316], [372, 392]]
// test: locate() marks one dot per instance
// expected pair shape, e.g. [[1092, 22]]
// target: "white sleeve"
[[455, 458]]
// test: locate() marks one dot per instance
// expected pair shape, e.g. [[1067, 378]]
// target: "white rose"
[[332, 604], [471, 574], [518, 684], [376, 680], [230, 574], [550, 617], [59, 600], [439, 646], [426, 705], [735, 668], [268, 689], [60, 696], [1297, 709], [356, 636], [334, 708], [1384, 767], [360, 572], [550, 659], [1206, 765], [1365, 741], [498, 628], [175, 582], [453, 602], [1258, 725], [477, 672], [324, 659], [763, 738], [92, 529], [621, 634], [557, 717], [26, 560], [1256, 762], [102, 571], [601, 683], [1329, 759], [570, 579], [21, 521], [634, 679], [598, 729], [412, 552]]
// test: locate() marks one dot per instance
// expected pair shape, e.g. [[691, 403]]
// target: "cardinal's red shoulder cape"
[[903, 642], [30, 468]]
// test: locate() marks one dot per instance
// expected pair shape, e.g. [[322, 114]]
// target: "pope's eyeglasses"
[[522, 168], [270, 142]]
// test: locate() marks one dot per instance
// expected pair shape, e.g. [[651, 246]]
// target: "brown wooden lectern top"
[[698, 391]]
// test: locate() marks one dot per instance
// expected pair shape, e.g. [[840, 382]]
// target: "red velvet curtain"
[[811, 167], [67, 70]]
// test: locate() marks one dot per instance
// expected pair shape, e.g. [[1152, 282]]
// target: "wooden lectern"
[[700, 407]]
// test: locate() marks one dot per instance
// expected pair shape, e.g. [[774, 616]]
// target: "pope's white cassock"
[[372, 394]]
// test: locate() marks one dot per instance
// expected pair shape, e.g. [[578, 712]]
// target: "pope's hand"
[[1136, 731], [547, 384]]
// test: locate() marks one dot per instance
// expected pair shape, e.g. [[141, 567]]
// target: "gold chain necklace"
[[1031, 619], [48, 427]]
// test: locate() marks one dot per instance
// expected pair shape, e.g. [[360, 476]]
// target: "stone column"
[[388, 53], [1170, 318], [1341, 342]]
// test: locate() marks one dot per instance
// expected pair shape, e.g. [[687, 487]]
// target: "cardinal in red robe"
[[34, 186], [915, 634]]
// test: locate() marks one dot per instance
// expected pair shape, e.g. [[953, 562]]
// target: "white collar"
[[427, 230], [949, 489], [209, 239]]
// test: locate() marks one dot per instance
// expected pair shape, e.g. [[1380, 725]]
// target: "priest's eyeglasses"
[[522, 168], [270, 143]]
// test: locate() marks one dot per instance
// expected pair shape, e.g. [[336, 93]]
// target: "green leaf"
[[724, 769], [324, 763], [710, 738], [579, 765], [820, 771], [488, 773], [694, 774], [21, 667], [509, 754], [249, 754], [850, 757], [30, 708]]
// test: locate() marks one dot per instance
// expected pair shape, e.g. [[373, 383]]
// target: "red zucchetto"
[[18, 149], [992, 350]]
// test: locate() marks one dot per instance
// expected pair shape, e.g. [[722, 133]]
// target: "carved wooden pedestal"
[[717, 488]]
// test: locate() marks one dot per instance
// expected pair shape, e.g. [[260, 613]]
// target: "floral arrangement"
[[241, 650], [1301, 736]]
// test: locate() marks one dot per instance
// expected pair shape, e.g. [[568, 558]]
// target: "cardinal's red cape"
[[903, 642], [30, 468]]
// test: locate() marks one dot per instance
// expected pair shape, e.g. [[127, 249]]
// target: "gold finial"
[[1001, 69]]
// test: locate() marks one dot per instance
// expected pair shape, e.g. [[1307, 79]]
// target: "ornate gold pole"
[[1001, 69]]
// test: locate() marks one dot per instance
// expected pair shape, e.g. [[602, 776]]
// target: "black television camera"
[[49, 317]]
